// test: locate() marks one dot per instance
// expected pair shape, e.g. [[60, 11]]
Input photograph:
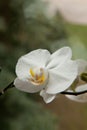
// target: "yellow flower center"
[[37, 76]]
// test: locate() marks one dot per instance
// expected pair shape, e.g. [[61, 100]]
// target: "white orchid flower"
[[39, 71], [81, 85]]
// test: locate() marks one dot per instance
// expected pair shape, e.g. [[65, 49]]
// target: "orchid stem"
[[11, 85]]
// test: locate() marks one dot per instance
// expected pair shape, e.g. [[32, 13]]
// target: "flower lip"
[[37, 76]]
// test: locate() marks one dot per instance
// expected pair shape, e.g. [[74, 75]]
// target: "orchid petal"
[[26, 86], [61, 78], [59, 57], [22, 68], [39, 57], [82, 66], [35, 58], [47, 97]]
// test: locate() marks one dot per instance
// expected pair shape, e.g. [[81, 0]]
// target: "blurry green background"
[[24, 27]]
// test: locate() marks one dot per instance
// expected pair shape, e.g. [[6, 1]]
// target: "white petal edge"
[[82, 66], [36, 58], [26, 86], [80, 98], [47, 97], [61, 78], [59, 57]]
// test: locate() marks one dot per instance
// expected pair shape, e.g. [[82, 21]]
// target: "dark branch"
[[11, 85], [0, 69], [74, 93]]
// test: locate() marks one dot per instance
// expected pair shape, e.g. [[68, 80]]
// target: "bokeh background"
[[26, 25]]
